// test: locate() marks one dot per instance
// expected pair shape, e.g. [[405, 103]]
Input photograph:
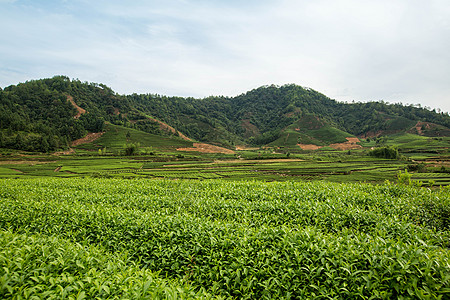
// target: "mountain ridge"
[[37, 116]]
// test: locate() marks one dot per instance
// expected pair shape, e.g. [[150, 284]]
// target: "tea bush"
[[248, 240]]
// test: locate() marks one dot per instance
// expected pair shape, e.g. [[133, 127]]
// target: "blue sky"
[[397, 51]]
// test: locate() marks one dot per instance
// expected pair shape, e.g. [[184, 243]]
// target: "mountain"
[[47, 114]]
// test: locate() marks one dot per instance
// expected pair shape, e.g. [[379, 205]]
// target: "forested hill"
[[38, 115]]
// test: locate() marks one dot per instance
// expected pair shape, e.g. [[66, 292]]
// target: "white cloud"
[[347, 49]]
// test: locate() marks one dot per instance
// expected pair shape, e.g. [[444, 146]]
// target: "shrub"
[[131, 149], [385, 152]]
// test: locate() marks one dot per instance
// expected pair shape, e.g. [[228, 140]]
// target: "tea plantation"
[[97, 238]]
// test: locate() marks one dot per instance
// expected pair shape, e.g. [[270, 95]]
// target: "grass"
[[8, 171], [400, 123], [415, 143], [115, 137], [330, 135], [310, 130], [325, 135]]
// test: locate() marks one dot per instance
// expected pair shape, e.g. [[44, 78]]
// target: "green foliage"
[[404, 178], [443, 169], [260, 116], [39, 267], [115, 137], [38, 116], [233, 239], [418, 167], [385, 152], [131, 149]]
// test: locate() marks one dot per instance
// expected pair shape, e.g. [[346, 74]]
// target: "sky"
[[361, 50]]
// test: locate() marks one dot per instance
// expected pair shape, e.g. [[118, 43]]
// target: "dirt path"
[[67, 152], [287, 137], [206, 148], [257, 161], [80, 110], [167, 127], [90, 137]]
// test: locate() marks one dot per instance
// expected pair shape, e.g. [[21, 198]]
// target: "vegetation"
[[56, 268], [115, 137], [38, 116], [385, 152], [106, 219], [239, 239]]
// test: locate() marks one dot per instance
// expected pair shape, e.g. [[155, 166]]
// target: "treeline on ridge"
[[37, 116]]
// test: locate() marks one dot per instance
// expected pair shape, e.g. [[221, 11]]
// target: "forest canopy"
[[38, 116]]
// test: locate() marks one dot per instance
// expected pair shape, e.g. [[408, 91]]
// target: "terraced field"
[[231, 169]]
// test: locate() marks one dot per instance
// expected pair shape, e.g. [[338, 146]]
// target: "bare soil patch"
[[206, 148], [66, 152], [80, 110], [90, 137], [250, 129], [242, 148], [309, 146], [351, 143], [418, 127]]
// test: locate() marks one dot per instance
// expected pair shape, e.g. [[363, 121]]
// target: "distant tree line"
[[37, 116]]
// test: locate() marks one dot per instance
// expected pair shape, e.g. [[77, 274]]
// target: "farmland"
[[252, 197], [208, 167], [96, 237], [279, 192], [265, 223], [266, 167]]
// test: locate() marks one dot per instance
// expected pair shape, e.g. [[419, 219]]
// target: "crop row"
[[248, 239], [40, 267]]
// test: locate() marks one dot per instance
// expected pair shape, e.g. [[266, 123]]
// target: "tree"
[[385, 152], [44, 146], [131, 149], [19, 141]]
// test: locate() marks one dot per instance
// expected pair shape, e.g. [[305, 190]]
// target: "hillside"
[[48, 114]]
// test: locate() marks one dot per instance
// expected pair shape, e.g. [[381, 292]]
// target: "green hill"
[[46, 115], [115, 137], [310, 130]]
